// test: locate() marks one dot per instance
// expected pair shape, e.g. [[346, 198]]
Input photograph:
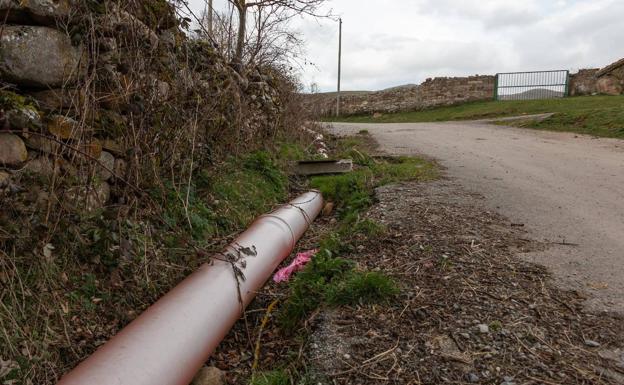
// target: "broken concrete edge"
[[324, 167]]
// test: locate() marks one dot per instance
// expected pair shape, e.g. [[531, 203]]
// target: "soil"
[[564, 187], [471, 310]]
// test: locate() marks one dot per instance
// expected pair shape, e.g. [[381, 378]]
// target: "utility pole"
[[210, 15], [339, 65]]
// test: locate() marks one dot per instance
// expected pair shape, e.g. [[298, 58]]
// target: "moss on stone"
[[155, 12], [12, 101]]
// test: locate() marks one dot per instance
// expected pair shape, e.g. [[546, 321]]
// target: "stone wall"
[[584, 82], [98, 94], [432, 93], [441, 92], [611, 79], [606, 81]]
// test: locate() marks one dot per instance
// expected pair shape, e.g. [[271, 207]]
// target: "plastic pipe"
[[171, 340]]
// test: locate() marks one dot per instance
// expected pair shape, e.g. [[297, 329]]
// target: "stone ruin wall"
[[596, 81], [436, 92], [583, 82], [440, 92]]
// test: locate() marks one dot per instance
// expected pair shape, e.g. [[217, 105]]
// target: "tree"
[[269, 16]]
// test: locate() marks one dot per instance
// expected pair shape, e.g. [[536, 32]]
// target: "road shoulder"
[[470, 310]]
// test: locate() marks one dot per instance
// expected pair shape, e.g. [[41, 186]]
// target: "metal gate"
[[532, 85]]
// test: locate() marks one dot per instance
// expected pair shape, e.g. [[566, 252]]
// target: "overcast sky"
[[393, 42]]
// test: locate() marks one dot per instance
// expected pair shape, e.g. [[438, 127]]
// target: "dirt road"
[[566, 190]]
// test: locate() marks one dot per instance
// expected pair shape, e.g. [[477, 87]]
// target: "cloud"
[[490, 13], [392, 42]]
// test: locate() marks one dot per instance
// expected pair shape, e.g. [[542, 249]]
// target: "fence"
[[532, 85]]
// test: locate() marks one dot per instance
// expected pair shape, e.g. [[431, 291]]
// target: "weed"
[[353, 192], [276, 377], [288, 152], [224, 200], [265, 166], [496, 326], [182, 207], [445, 263], [403, 169], [350, 191], [362, 288], [309, 287], [368, 228]]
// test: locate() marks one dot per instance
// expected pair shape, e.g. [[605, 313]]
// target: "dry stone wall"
[[584, 82], [441, 92], [101, 95], [432, 93], [606, 81]]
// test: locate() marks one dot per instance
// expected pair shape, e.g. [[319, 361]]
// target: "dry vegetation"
[[441, 295], [199, 147]]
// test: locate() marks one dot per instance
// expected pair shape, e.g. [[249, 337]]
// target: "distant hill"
[[347, 93], [343, 93], [537, 93], [396, 88]]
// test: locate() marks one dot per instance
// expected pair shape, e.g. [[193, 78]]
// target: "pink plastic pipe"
[[170, 341]]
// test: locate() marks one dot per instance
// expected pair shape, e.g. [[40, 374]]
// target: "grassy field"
[[593, 115]]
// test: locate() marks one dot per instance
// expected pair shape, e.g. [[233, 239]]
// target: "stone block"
[[39, 57], [609, 85], [43, 12], [12, 150], [209, 376], [324, 167]]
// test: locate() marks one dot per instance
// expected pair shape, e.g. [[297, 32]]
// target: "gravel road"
[[567, 190]]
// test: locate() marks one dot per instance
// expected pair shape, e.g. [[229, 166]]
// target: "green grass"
[[353, 192], [227, 198], [330, 279], [362, 288], [334, 281], [276, 377], [284, 377], [594, 115]]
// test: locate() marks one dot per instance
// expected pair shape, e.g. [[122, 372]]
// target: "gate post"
[[567, 85], [496, 87]]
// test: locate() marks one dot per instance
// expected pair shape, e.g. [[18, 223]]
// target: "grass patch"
[[226, 198], [350, 191], [330, 279], [334, 281], [282, 377], [309, 288], [276, 377], [596, 122], [353, 192], [594, 115], [362, 288], [402, 169]]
